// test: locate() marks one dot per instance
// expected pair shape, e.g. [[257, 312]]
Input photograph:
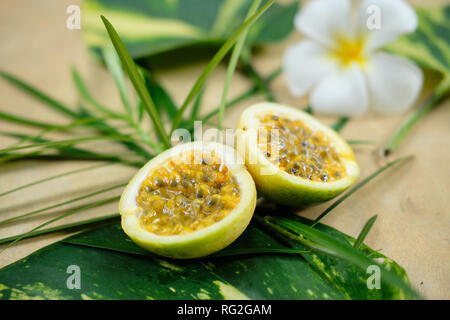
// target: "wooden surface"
[[412, 201]]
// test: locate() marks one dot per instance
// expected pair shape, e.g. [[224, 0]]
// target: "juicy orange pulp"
[[186, 194], [298, 150]]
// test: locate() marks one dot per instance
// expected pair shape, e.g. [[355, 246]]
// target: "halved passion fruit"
[[190, 201], [294, 159]]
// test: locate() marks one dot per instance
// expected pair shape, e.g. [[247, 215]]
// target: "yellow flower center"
[[349, 51]]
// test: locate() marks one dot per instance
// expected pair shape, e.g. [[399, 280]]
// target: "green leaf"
[[57, 205], [429, 46], [258, 80], [355, 142], [101, 126], [22, 120], [197, 105], [68, 226], [160, 96], [308, 109], [326, 244], [155, 26], [138, 83], [245, 95], [74, 124], [86, 95], [234, 275], [357, 187], [38, 94], [112, 62], [236, 53], [340, 124], [76, 156], [408, 123], [215, 61], [47, 143], [364, 232], [107, 237], [49, 178], [67, 214], [61, 143], [106, 129]]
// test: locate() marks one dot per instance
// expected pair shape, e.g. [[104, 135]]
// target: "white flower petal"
[[344, 92], [324, 20], [382, 21], [304, 64], [394, 83]]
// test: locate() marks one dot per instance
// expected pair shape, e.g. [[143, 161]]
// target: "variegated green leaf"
[[148, 27], [113, 267], [429, 45]]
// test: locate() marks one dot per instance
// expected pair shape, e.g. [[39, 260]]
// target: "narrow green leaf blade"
[[197, 105], [22, 120], [410, 121], [65, 215], [215, 61], [46, 144], [50, 178], [160, 96], [236, 53], [63, 155], [138, 83], [144, 276], [38, 94], [112, 61], [67, 226], [61, 143], [327, 244], [258, 80], [340, 124], [364, 232], [428, 46], [58, 205], [86, 95], [245, 95], [357, 187]]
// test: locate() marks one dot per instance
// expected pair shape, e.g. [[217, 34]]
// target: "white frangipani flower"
[[340, 61]]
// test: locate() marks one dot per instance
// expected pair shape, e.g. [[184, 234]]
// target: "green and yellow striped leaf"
[[429, 45], [148, 27], [113, 267]]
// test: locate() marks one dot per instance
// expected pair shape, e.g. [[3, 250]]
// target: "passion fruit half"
[[189, 201], [294, 159]]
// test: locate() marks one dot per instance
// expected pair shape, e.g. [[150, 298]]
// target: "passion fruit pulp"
[[190, 201], [294, 159]]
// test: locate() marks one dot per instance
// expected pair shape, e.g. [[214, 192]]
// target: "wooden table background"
[[412, 200]]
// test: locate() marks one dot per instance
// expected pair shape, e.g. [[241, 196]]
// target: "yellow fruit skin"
[[199, 243], [278, 189], [199, 246], [280, 186]]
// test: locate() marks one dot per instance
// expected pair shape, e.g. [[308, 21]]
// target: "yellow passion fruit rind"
[[308, 162], [183, 210]]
